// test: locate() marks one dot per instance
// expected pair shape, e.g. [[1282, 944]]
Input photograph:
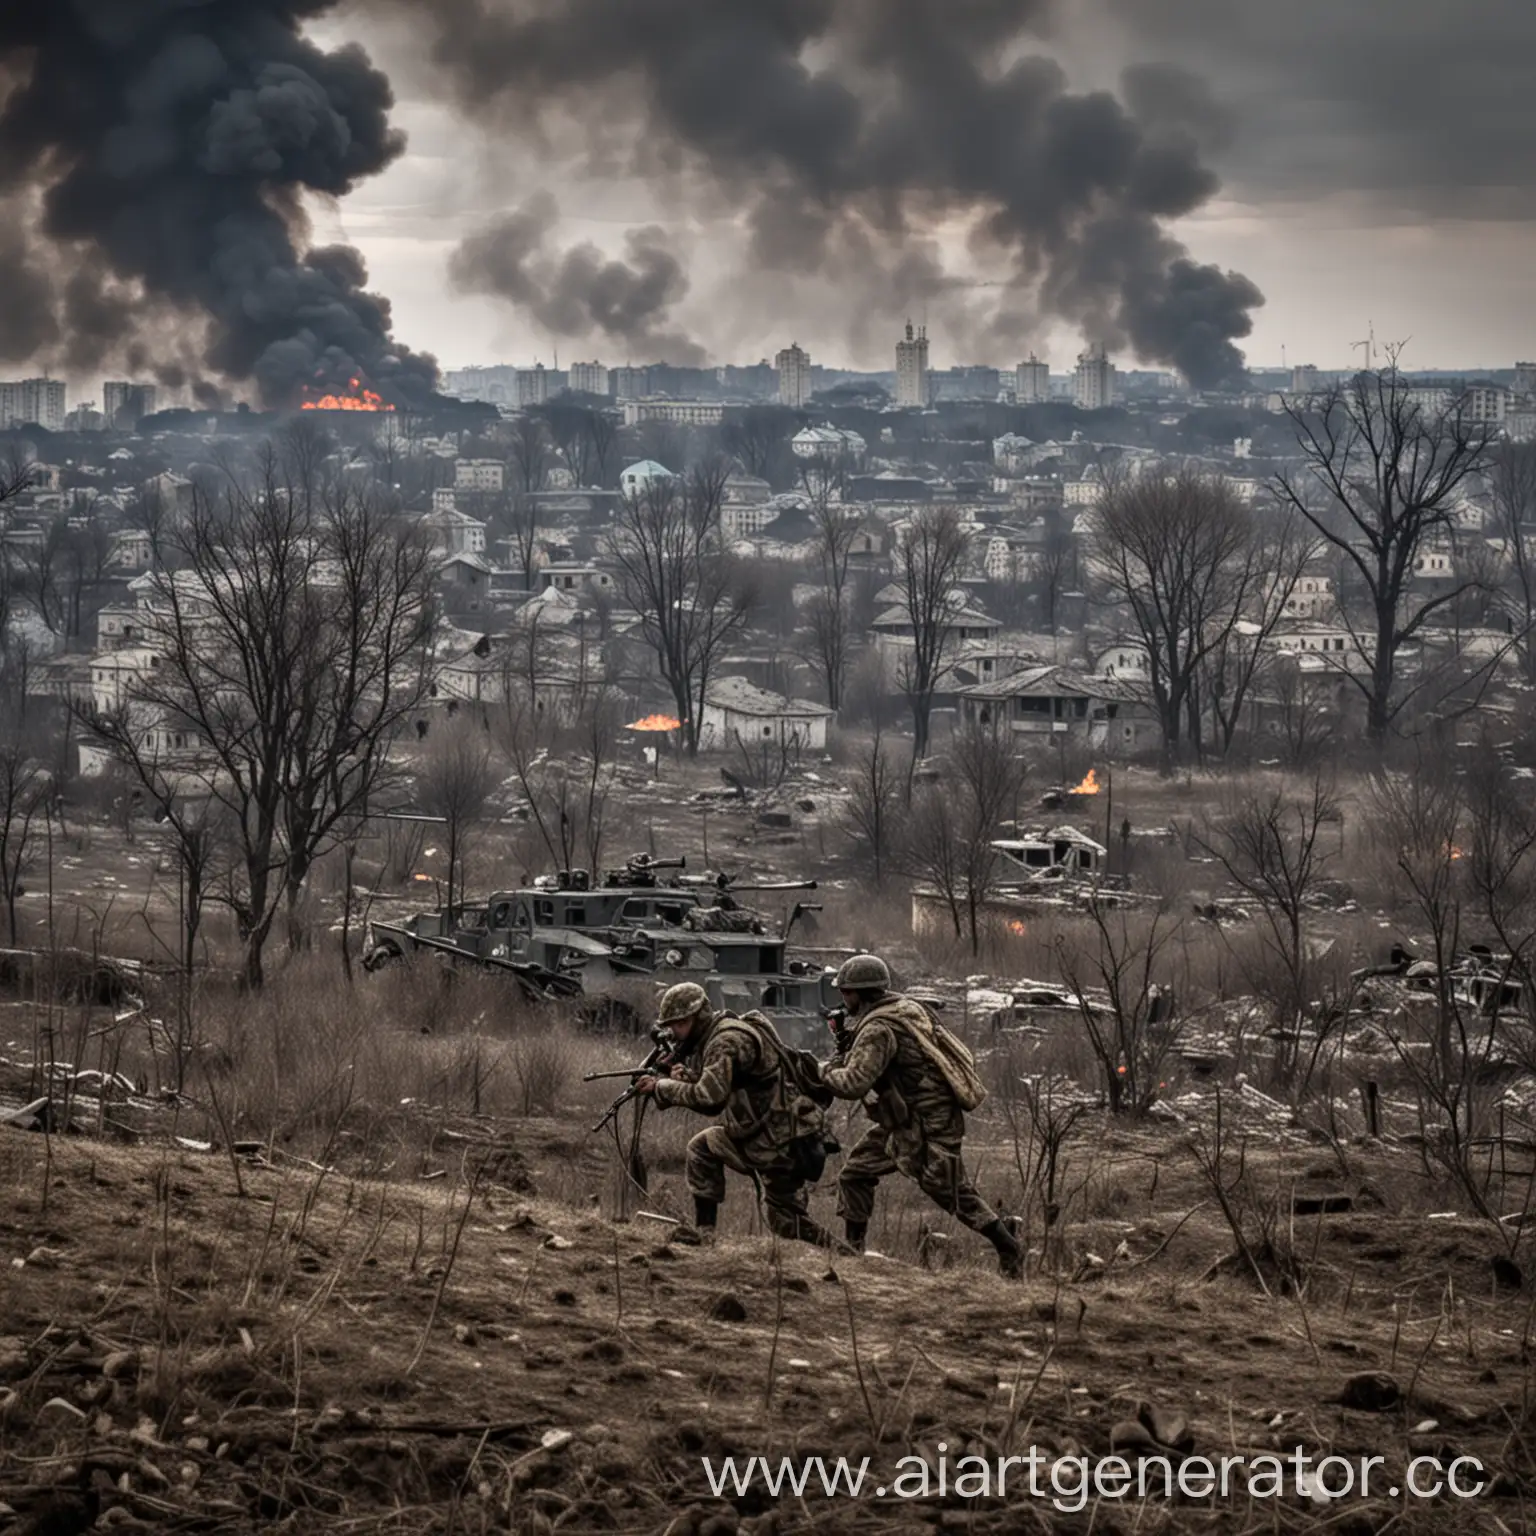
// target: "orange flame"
[[1089, 786], [1015, 926], [1454, 851], [655, 723], [360, 400]]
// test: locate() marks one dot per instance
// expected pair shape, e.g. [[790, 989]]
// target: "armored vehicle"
[[640, 922]]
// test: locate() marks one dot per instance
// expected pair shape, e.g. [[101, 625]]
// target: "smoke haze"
[[580, 292], [828, 127], [159, 149]]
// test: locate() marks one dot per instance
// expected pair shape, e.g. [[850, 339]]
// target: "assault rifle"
[[665, 1052]]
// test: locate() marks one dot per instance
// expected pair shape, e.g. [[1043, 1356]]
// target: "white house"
[[454, 533], [737, 712], [479, 475], [1082, 493], [1050, 701], [682, 413], [129, 550], [827, 443], [1434, 563], [1303, 637], [576, 576], [638, 478], [1125, 658], [895, 635], [1310, 598], [120, 624], [115, 675], [744, 490], [1010, 452]]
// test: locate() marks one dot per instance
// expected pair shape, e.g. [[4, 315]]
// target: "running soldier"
[[916, 1081], [770, 1129]]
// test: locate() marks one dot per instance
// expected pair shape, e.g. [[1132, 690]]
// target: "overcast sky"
[[1188, 182], [1374, 170]]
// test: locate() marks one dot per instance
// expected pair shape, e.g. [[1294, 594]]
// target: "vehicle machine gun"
[[640, 871]]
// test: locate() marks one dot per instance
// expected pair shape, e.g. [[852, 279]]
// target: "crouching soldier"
[[771, 1129], [916, 1080]]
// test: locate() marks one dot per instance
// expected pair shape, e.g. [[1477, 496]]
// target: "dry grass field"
[[346, 1257]]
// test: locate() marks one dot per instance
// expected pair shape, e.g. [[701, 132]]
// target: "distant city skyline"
[[1191, 183]]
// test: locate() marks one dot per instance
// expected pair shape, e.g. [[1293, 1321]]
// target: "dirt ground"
[[196, 1343], [371, 1272]]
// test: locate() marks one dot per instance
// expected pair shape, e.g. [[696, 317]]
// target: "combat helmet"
[[862, 971], [682, 1002]]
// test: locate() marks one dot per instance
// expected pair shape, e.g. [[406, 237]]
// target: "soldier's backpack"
[[945, 1049], [804, 1096]]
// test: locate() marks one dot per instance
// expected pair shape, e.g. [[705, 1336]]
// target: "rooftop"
[[743, 698], [1058, 682]]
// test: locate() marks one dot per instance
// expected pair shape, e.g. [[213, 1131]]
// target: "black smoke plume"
[[579, 292], [830, 126], [164, 146]]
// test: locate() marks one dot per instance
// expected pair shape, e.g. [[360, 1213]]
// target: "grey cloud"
[[580, 293], [823, 123], [168, 143], [1420, 104]]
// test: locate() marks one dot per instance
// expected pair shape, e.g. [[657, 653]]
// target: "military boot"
[[1010, 1257], [705, 1214], [855, 1231], [808, 1231]]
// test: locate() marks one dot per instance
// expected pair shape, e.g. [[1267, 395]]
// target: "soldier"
[[769, 1128], [916, 1087]]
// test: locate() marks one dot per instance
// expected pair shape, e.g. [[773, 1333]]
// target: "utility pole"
[[1368, 346]]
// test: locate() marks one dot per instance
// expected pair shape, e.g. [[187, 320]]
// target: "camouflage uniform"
[[741, 1079], [918, 1125]]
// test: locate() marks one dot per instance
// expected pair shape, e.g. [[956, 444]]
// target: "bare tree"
[[567, 427], [1055, 568], [16, 476], [759, 437], [874, 805], [1303, 716], [828, 615], [565, 769], [954, 823], [1512, 521], [1136, 1026], [1500, 867], [1272, 848], [664, 442], [691, 595], [86, 547], [990, 777], [24, 790], [602, 433], [195, 823], [1177, 550], [528, 466], [932, 851], [1380, 479], [1419, 819], [1426, 830], [17, 472], [290, 634], [930, 558], [1261, 586], [455, 782]]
